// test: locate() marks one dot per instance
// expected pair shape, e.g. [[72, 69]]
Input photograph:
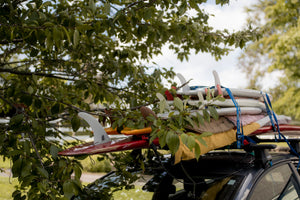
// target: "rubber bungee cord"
[[239, 125]]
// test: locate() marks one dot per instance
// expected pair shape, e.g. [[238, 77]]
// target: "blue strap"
[[239, 125], [276, 127], [269, 112], [249, 139]]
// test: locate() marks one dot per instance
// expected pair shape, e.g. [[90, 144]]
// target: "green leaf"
[[213, 112], [46, 4], [189, 120], [92, 6], [191, 142], [153, 137], [201, 141], [26, 169], [42, 186], [184, 138], [78, 172], [75, 123], [162, 139], [194, 5], [68, 189], [48, 24], [162, 106], [67, 34], [30, 90], [37, 103], [54, 151], [197, 151], [200, 96], [75, 38], [55, 109], [27, 147], [206, 134], [220, 98], [242, 43], [148, 13], [26, 99], [178, 103], [206, 115], [34, 52], [16, 120], [106, 8], [208, 94], [172, 142], [43, 172], [200, 119], [17, 167]]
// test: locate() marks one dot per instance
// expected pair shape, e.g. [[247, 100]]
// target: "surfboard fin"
[[217, 83], [100, 136], [186, 87]]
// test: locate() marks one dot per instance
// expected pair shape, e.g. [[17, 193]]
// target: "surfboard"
[[282, 127], [142, 141], [90, 148], [235, 91], [228, 103], [220, 111]]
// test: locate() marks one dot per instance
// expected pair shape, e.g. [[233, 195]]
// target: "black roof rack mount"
[[261, 152]]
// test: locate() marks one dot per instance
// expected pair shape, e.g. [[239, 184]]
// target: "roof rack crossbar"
[[261, 152]]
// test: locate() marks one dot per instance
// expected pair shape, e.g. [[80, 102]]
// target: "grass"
[[134, 194], [90, 164], [7, 188]]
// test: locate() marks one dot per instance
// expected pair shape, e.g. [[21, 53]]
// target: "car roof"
[[226, 162]]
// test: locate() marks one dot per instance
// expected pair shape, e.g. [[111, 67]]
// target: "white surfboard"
[[228, 103], [221, 112], [237, 92]]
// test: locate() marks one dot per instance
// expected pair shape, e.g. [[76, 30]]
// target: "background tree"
[[277, 50], [56, 54]]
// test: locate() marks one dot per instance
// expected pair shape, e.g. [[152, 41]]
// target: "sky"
[[199, 67]]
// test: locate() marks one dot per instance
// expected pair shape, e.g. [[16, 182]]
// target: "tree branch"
[[35, 73], [67, 104], [8, 102], [15, 41]]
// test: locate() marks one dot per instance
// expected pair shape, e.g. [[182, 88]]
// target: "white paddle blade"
[[100, 136], [186, 87]]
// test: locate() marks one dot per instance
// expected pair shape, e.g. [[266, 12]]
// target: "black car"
[[233, 175], [252, 173]]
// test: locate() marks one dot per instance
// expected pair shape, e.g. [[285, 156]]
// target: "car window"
[[276, 184], [213, 188]]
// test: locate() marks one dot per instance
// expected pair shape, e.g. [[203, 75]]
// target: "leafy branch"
[[177, 127]]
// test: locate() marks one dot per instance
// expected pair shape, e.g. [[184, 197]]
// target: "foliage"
[[122, 178], [177, 126], [7, 187], [276, 50], [96, 164], [58, 57]]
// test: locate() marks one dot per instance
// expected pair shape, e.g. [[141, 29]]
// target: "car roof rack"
[[294, 143], [261, 153]]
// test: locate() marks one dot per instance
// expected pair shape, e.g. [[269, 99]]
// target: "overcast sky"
[[199, 67]]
